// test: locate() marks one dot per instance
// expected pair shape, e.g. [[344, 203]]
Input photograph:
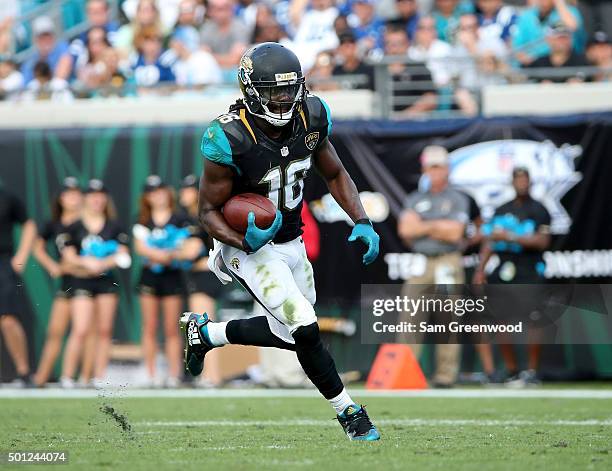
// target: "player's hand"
[[18, 264], [366, 233], [255, 238], [479, 278]]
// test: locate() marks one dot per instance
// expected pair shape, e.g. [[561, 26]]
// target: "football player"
[[267, 144]]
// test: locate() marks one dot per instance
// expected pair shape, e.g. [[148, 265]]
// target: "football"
[[237, 209]]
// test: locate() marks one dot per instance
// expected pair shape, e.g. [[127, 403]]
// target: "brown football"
[[237, 209]]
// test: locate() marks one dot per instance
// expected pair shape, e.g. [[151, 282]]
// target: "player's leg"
[[106, 309], [269, 275], [59, 319], [317, 361], [171, 306], [203, 302], [81, 316], [88, 357], [149, 306], [15, 341]]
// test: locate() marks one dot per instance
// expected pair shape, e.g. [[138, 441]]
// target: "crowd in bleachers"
[[455, 46]]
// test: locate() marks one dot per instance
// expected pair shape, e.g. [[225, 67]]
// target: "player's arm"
[[485, 254], [339, 182], [215, 189], [411, 226], [28, 235], [538, 241], [49, 264], [343, 189], [446, 230]]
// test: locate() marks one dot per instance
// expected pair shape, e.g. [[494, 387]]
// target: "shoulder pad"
[[224, 140], [238, 132], [319, 115]]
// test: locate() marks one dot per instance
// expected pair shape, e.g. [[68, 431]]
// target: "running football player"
[[267, 144]]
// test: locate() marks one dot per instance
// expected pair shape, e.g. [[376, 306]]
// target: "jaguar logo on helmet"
[[272, 84], [245, 69]]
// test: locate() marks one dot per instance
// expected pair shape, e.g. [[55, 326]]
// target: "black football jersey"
[[272, 168], [78, 236], [57, 232]]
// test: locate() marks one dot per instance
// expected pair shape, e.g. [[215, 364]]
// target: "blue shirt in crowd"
[[530, 32]]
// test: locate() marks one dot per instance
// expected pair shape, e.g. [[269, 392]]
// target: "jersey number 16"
[[285, 188]]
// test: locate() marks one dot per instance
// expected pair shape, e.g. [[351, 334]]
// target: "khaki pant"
[[442, 269]]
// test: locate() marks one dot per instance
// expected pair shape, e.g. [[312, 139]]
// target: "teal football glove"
[[364, 231], [255, 238]]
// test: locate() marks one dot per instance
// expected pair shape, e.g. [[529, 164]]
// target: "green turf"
[[94, 440]]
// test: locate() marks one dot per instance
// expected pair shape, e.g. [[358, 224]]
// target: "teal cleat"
[[357, 425], [197, 342]]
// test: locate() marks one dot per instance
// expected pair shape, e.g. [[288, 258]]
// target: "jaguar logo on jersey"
[[484, 171], [311, 140], [235, 263]]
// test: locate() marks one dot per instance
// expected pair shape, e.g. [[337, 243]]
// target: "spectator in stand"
[[408, 15], [495, 19], [44, 87], [350, 63], [341, 25], [194, 67], [148, 67], [434, 52], [187, 16], [248, 11], [114, 79], [90, 67], [366, 25], [168, 11], [11, 80], [476, 59], [599, 54], [98, 15], [314, 28], [319, 77], [268, 30], [446, 13], [223, 35], [48, 50], [559, 39], [529, 37], [420, 99], [7, 17], [147, 15], [597, 15]]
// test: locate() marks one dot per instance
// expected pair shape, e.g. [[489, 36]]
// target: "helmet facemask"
[[274, 101]]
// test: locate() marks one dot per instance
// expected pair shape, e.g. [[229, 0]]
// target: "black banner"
[[569, 159]]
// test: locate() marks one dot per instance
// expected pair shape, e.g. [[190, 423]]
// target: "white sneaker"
[[67, 383], [173, 382], [98, 383]]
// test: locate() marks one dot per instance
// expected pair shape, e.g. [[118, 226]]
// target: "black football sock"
[[254, 331], [316, 361]]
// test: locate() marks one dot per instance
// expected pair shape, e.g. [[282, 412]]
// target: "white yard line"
[[484, 393], [382, 422]]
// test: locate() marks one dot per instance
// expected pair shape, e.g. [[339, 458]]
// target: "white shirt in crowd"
[[200, 68], [314, 34], [436, 58], [12, 84]]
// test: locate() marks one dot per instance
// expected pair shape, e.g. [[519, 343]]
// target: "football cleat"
[[357, 425], [197, 342]]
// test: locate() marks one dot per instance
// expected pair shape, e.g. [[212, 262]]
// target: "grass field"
[[282, 433]]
